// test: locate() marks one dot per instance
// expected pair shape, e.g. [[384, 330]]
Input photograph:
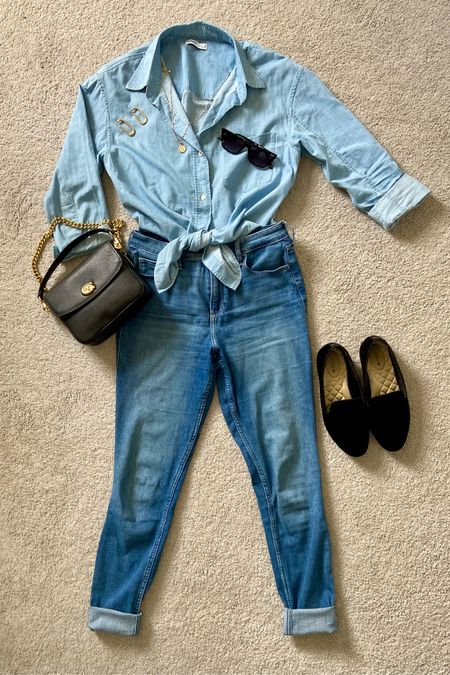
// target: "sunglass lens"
[[232, 143], [258, 157]]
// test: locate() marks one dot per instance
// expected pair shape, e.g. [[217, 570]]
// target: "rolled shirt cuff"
[[304, 621], [406, 193], [113, 621]]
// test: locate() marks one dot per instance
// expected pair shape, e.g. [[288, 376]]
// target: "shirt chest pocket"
[[239, 174]]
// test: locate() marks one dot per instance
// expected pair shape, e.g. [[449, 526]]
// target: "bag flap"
[[86, 281]]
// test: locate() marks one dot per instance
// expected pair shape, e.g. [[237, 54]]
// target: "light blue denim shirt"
[[184, 186]]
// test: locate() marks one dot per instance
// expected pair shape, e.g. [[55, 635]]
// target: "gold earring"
[[143, 119], [121, 121]]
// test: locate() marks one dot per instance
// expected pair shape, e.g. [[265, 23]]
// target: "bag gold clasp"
[[88, 288]]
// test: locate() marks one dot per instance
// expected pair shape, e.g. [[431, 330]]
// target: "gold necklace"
[[181, 145]]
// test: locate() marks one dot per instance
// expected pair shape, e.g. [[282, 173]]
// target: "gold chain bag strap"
[[95, 298]]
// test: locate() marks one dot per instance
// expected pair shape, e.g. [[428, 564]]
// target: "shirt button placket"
[[202, 176]]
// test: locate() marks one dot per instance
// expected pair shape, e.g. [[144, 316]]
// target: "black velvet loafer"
[[342, 401], [385, 393]]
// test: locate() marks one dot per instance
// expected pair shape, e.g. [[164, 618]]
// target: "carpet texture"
[[213, 606]]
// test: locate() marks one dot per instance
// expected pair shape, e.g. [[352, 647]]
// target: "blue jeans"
[[254, 343]]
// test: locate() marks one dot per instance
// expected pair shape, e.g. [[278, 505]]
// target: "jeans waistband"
[[266, 234]]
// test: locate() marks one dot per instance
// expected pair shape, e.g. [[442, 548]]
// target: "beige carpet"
[[213, 607]]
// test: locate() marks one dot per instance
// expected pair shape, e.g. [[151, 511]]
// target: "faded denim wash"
[[253, 343], [229, 302], [205, 197]]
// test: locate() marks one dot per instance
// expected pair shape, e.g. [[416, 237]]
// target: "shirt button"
[[199, 153], [203, 196]]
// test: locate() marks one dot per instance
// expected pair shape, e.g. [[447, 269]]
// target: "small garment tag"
[[196, 43]]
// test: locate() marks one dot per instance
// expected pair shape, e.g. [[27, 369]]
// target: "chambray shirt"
[[206, 197]]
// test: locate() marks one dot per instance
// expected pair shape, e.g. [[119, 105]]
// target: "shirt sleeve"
[[76, 190], [349, 155]]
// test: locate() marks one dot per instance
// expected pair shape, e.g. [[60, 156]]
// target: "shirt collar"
[[148, 72]]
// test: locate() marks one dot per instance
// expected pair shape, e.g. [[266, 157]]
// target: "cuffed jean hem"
[[113, 621], [303, 621]]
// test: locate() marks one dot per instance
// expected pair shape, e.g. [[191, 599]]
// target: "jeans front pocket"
[[239, 174], [296, 272], [266, 259], [146, 265], [143, 261]]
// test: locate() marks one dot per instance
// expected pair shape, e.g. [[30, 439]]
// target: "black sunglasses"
[[235, 143]]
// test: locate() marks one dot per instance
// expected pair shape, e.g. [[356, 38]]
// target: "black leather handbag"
[[96, 297]]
